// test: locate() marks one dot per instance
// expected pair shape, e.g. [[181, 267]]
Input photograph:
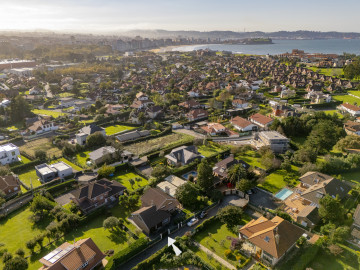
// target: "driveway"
[[64, 199], [263, 199]]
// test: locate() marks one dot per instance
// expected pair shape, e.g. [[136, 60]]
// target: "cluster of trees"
[[17, 262], [352, 71]]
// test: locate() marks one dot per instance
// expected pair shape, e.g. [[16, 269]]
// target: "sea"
[[331, 46]]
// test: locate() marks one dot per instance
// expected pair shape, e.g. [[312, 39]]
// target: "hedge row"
[[324, 105], [22, 167], [123, 255], [54, 189]]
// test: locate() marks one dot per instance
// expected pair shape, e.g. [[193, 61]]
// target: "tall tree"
[[205, 178], [331, 209], [236, 173]]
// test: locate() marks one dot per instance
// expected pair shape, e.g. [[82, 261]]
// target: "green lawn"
[[250, 158], [75, 167], [347, 99], [123, 177], [328, 71], [24, 160], [209, 259], [111, 130], [209, 150], [325, 261], [48, 112], [355, 93], [28, 177], [18, 230], [275, 181], [82, 157], [352, 175], [332, 112], [214, 242]]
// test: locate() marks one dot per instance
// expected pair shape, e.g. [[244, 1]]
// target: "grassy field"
[[44, 144], [209, 259], [352, 175], [326, 261], [82, 157], [213, 237], [355, 93], [111, 130], [124, 177], [48, 112], [250, 158], [19, 230], [209, 150], [24, 160], [347, 99], [331, 112], [29, 177], [275, 181], [158, 143], [75, 167]]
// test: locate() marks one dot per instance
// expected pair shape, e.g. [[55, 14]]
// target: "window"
[[267, 239], [13, 153]]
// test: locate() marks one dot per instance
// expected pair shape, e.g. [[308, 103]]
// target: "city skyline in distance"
[[110, 16]]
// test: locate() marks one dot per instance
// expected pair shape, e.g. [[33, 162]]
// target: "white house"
[[9, 153], [242, 124], [42, 126], [351, 109]]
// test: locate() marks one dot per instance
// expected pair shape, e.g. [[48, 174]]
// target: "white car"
[[192, 222]]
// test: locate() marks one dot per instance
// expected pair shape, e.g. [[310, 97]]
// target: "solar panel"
[[61, 254], [52, 254]]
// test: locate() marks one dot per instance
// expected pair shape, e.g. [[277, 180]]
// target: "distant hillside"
[[241, 35]]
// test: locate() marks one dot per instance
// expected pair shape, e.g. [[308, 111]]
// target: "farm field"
[[158, 143], [123, 177], [54, 114], [44, 144], [111, 130]]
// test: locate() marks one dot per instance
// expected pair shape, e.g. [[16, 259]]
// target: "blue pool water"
[[283, 194], [186, 175]]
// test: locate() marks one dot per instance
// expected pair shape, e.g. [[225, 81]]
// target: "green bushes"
[[125, 254], [60, 187], [23, 167]]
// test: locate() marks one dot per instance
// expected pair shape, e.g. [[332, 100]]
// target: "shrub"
[[227, 253], [125, 254]]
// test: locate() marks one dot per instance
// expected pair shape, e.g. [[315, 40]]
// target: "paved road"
[[147, 253]]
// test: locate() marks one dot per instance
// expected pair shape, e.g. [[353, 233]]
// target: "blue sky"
[[202, 15]]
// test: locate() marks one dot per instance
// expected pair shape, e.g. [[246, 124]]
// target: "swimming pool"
[[186, 175], [283, 194]]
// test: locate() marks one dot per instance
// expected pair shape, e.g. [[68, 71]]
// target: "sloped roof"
[[183, 154], [356, 216], [262, 119], [312, 178], [274, 236], [150, 216], [157, 197], [90, 129], [240, 122], [8, 181]]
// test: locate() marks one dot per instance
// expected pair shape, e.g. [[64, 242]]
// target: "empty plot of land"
[[43, 144], [158, 143]]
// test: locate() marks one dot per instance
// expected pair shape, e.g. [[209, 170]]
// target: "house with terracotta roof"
[[197, 114], [214, 129], [9, 185], [242, 124], [190, 104], [269, 240], [83, 254], [261, 120], [349, 108], [240, 103], [97, 193], [352, 128]]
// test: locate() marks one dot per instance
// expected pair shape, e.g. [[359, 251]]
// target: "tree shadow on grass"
[[118, 236]]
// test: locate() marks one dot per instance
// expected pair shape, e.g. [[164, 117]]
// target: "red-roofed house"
[[242, 124], [351, 109], [271, 239], [197, 114], [240, 103], [214, 128], [261, 120]]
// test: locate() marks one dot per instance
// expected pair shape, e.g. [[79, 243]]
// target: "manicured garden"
[[215, 239], [125, 177], [210, 149], [111, 130], [81, 158]]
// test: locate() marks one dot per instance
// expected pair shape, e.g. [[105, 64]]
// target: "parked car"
[[192, 222], [202, 214]]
